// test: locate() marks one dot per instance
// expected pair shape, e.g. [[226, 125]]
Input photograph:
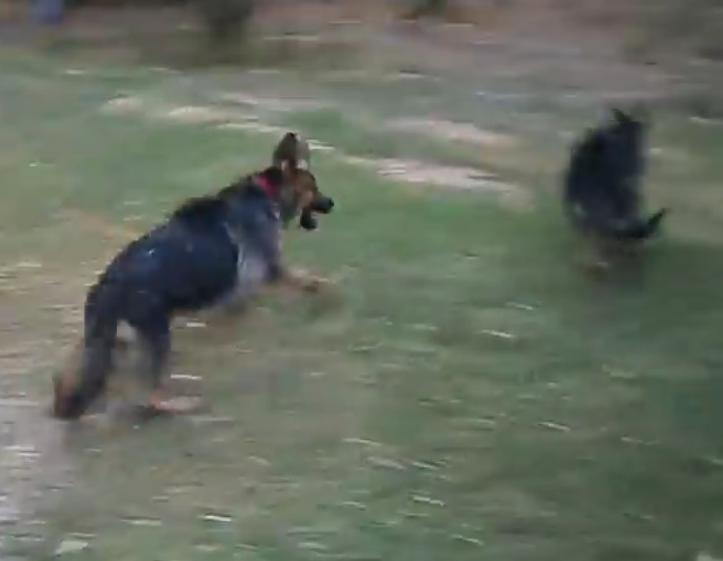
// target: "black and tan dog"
[[211, 250], [602, 194]]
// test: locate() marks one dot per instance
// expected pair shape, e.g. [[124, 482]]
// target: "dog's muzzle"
[[322, 205]]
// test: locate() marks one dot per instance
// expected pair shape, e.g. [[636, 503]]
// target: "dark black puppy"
[[602, 186], [212, 249]]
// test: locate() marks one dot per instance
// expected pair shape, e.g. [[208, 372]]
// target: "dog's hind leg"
[[155, 339], [156, 342]]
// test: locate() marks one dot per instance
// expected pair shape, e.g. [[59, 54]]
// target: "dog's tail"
[[85, 378], [640, 230], [631, 230]]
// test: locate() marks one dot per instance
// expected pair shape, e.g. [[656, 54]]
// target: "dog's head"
[[299, 194], [627, 133], [633, 114], [632, 124]]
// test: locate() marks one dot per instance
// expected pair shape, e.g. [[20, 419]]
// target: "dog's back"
[[602, 185], [182, 264]]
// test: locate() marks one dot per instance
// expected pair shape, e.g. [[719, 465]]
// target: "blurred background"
[[465, 390]]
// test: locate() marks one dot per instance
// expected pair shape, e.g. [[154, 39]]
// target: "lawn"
[[463, 391]]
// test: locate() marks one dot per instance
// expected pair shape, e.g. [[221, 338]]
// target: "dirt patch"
[[320, 146], [35, 465], [409, 76], [271, 103], [98, 225], [449, 130], [707, 122], [677, 156], [449, 177], [225, 117], [123, 105], [182, 114], [253, 126], [195, 115]]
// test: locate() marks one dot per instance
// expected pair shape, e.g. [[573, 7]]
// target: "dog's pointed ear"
[[285, 152], [303, 153], [637, 116], [620, 116], [291, 153]]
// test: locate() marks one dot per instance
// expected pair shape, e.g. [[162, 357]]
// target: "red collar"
[[271, 190]]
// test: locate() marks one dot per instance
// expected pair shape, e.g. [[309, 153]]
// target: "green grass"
[[385, 420]]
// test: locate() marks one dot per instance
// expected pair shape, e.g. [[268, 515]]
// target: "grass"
[[463, 393]]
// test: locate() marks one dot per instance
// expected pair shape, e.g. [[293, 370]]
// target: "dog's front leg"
[[300, 279], [281, 275]]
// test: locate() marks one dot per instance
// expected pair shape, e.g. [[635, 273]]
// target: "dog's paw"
[[597, 267], [307, 282], [314, 284], [175, 406]]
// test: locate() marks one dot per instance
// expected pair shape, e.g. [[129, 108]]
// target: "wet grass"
[[464, 391]]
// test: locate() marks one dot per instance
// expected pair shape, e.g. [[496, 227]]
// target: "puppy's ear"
[[620, 116]]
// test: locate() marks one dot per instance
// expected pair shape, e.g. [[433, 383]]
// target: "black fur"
[[602, 186], [189, 262]]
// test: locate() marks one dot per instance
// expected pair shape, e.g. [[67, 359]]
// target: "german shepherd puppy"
[[602, 185], [211, 250]]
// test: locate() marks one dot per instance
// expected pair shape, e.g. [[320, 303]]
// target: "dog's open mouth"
[[307, 220]]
